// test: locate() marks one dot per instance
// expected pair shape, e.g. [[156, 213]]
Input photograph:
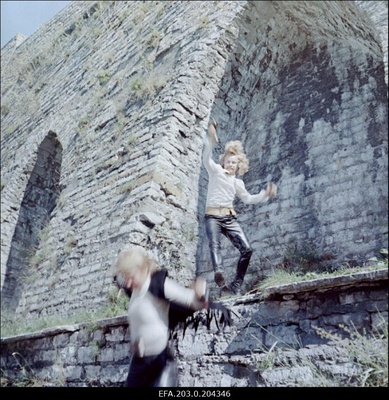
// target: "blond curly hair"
[[235, 148]]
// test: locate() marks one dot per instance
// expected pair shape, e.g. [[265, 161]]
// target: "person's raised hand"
[[271, 189], [212, 132], [201, 289]]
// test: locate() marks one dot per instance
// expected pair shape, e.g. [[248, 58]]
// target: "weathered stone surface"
[[271, 343], [128, 104]]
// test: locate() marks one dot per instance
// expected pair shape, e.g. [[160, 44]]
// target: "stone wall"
[[110, 101], [286, 317], [377, 12], [290, 91]]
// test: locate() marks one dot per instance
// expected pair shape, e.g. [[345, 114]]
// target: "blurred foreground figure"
[[157, 303]]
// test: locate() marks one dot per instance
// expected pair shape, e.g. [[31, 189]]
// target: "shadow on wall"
[[39, 200]]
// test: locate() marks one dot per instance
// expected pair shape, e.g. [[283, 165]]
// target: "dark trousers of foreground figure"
[[152, 371]]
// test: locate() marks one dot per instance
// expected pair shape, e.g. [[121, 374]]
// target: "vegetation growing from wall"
[[116, 303], [366, 354], [281, 276]]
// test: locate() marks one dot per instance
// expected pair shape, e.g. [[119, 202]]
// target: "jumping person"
[[220, 216], [156, 304]]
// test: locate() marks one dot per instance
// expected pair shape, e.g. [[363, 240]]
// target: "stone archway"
[[39, 200], [305, 93]]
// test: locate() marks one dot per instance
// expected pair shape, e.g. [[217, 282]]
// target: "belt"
[[220, 211]]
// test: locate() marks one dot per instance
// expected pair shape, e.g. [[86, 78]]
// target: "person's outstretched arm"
[[209, 143], [262, 197], [192, 298]]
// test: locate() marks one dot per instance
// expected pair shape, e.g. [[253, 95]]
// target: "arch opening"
[[39, 200]]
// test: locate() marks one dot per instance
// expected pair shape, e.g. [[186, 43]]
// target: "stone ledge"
[[52, 331], [318, 284]]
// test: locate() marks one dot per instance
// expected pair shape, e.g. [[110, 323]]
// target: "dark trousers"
[[152, 371], [229, 227]]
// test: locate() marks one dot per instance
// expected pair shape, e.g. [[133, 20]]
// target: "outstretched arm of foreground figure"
[[192, 298]]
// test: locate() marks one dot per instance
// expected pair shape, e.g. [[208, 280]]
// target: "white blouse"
[[223, 188]]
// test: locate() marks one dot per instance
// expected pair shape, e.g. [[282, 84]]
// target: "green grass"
[[116, 305], [281, 277]]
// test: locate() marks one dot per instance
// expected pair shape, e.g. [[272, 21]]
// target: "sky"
[[26, 16]]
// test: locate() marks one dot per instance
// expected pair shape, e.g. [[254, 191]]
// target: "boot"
[[235, 287]]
